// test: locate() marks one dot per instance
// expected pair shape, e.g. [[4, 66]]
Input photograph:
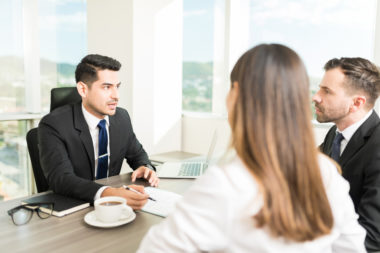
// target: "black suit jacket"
[[360, 162], [67, 152]]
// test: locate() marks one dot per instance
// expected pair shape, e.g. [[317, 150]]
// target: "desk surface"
[[72, 234]]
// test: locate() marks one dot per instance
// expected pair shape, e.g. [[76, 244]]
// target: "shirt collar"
[[349, 131], [91, 120]]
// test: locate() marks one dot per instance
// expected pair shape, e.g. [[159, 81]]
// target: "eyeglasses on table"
[[23, 214]]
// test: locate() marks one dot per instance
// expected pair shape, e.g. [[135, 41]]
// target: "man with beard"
[[346, 97]]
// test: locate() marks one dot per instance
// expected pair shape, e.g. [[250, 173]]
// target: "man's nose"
[[316, 98], [115, 93]]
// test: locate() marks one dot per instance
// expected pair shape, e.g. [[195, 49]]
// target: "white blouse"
[[216, 213]]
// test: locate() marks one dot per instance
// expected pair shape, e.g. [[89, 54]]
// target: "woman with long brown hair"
[[277, 193]]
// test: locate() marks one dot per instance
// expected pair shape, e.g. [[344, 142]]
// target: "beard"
[[331, 114]]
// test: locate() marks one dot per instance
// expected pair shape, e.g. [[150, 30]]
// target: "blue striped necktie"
[[335, 150], [102, 155]]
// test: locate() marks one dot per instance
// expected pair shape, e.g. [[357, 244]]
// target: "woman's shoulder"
[[232, 175]]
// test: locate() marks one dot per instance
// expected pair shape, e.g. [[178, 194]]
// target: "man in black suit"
[[346, 97], [89, 140]]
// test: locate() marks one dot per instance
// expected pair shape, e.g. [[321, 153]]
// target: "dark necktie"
[[335, 150], [102, 155]]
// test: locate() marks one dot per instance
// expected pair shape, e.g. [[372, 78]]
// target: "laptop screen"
[[212, 147]]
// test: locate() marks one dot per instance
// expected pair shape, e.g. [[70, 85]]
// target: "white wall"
[[377, 36], [320, 131], [157, 80], [197, 132], [146, 37], [109, 32]]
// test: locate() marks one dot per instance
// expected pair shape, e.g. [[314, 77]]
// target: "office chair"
[[59, 97], [32, 141], [63, 96]]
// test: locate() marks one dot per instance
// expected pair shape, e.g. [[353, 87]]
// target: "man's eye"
[[106, 87]]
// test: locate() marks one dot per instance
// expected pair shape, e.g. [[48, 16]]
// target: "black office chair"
[[32, 141], [59, 97], [63, 96]]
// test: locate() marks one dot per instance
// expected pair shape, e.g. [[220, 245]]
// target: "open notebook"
[[187, 169], [164, 204]]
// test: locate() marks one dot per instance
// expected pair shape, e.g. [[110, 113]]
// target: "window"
[[63, 43], [45, 39], [14, 175], [12, 96], [317, 30], [198, 50]]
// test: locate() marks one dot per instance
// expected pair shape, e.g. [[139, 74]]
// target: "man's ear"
[[82, 89], [358, 103]]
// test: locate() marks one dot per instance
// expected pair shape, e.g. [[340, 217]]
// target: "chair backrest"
[[59, 97], [63, 96], [32, 141]]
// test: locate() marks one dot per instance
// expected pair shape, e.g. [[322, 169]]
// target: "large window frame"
[[33, 111], [231, 41], [235, 21]]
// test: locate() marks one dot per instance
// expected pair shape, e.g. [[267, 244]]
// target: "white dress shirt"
[[92, 123], [216, 215], [350, 131]]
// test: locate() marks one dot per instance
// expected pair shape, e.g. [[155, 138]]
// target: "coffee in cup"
[[111, 209], [111, 203]]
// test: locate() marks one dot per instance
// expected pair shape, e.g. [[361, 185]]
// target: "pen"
[[133, 190]]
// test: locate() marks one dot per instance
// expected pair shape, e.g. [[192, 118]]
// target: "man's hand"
[[134, 200], [148, 174]]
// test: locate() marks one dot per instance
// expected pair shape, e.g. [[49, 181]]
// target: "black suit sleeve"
[[369, 205], [57, 166], [135, 153]]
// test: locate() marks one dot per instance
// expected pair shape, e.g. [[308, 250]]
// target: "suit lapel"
[[115, 144], [359, 138], [84, 134], [327, 144]]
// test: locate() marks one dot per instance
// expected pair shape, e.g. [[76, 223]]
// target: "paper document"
[[164, 204]]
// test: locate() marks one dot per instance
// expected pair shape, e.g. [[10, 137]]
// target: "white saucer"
[[90, 219]]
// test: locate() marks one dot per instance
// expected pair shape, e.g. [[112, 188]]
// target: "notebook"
[[187, 169], [62, 205], [164, 204]]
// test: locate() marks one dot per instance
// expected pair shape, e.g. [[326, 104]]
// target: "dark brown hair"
[[87, 69], [361, 75], [272, 134]]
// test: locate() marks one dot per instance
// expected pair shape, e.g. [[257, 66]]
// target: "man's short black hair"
[[86, 70]]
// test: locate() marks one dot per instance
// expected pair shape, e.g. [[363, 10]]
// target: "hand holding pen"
[[133, 190]]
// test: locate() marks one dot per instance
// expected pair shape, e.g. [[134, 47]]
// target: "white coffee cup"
[[111, 209]]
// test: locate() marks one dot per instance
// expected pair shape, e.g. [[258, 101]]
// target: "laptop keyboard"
[[190, 169]]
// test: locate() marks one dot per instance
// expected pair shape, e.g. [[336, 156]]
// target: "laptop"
[[187, 169]]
